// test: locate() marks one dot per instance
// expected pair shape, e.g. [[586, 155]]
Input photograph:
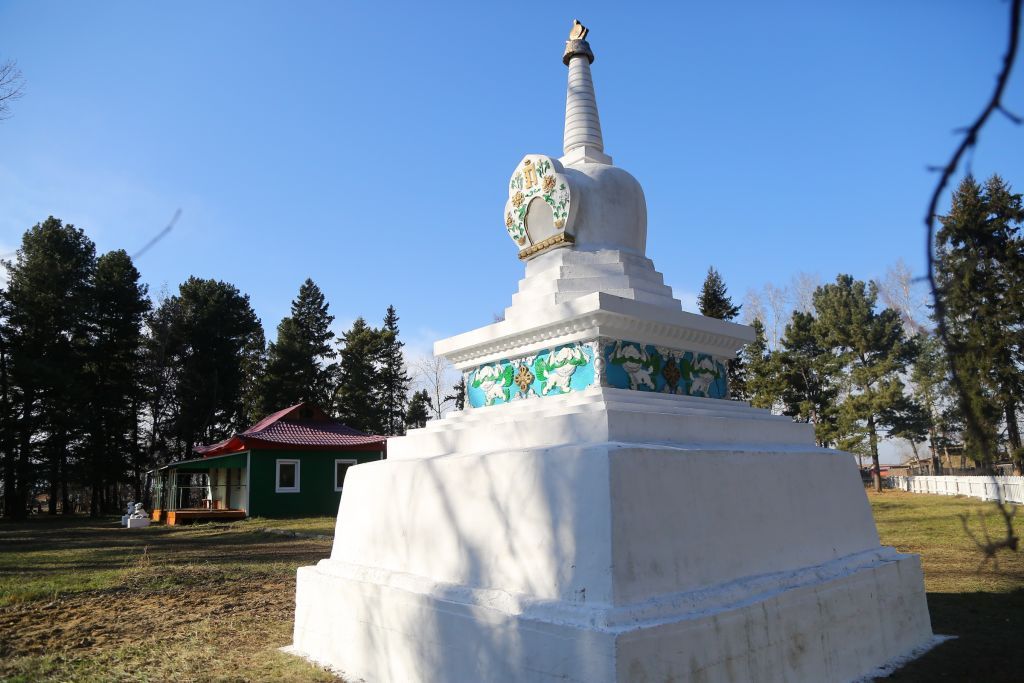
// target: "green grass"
[[315, 526], [980, 603], [85, 600]]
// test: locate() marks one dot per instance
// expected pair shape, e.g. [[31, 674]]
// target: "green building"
[[289, 464]]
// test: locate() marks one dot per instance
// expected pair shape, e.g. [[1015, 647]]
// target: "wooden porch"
[[175, 517]]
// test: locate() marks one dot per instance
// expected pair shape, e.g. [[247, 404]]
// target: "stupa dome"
[[611, 209]]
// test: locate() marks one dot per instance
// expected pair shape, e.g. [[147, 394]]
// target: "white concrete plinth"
[[819, 630], [138, 523], [671, 539]]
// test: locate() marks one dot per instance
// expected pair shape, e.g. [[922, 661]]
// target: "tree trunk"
[[936, 462], [23, 470], [136, 453], [876, 468], [1013, 436], [1012, 428], [54, 482], [7, 436], [65, 500]]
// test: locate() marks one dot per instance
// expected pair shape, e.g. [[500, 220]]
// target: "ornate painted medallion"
[[539, 210]]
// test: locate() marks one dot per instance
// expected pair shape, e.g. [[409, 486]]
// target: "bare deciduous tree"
[[753, 307], [802, 288], [778, 303], [12, 86], [904, 294], [771, 306], [435, 374]]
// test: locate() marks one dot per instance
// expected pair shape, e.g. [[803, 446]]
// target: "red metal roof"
[[303, 427]]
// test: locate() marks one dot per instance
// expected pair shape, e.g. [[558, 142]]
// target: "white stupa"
[[600, 511]]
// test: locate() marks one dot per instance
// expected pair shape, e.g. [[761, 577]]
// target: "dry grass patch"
[[84, 600], [979, 602], [205, 603]]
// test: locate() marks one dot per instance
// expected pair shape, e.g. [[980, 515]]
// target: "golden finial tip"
[[578, 31], [577, 43]]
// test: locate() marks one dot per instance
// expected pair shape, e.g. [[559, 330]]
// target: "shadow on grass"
[[989, 628]]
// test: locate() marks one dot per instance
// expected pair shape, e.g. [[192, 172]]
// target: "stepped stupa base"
[[703, 555], [832, 622]]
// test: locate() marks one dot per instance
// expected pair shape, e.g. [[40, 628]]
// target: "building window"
[[340, 468], [287, 476]]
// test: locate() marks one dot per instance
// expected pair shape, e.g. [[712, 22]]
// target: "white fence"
[[1009, 489]]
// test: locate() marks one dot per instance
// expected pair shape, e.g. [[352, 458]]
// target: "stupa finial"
[[577, 43], [582, 124]]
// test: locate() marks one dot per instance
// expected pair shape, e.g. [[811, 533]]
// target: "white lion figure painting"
[[704, 373], [557, 368], [492, 380], [637, 364]]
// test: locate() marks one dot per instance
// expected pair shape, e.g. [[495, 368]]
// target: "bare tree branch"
[[159, 236], [12, 86], [974, 421]]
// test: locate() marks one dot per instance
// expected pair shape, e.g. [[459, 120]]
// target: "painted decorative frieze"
[[539, 210], [606, 362], [560, 370], [644, 367]]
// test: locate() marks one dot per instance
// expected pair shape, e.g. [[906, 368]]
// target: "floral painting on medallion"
[[643, 367]]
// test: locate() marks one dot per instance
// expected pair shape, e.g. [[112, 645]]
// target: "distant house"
[[289, 464]]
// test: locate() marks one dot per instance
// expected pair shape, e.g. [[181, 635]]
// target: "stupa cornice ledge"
[[594, 316]]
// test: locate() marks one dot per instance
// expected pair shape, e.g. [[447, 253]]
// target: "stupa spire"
[[582, 141]]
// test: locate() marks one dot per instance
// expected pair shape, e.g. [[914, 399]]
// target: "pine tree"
[[980, 276], [874, 351], [762, 388], [419, 410], [929, 379], [158, 378], [253, 367], [715, 302], [113, 455], [394, 382], [358, 400], [47, 331], [8, 398], [806, 373], [212, 334], [299, 365], [458, 395]]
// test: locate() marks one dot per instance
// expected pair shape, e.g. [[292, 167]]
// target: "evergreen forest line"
[[861, 372], [99, 383]]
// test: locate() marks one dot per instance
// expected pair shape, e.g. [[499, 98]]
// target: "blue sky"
[[367, 145]]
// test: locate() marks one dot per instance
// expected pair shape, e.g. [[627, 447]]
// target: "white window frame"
[[277, 475], [347, 461]]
